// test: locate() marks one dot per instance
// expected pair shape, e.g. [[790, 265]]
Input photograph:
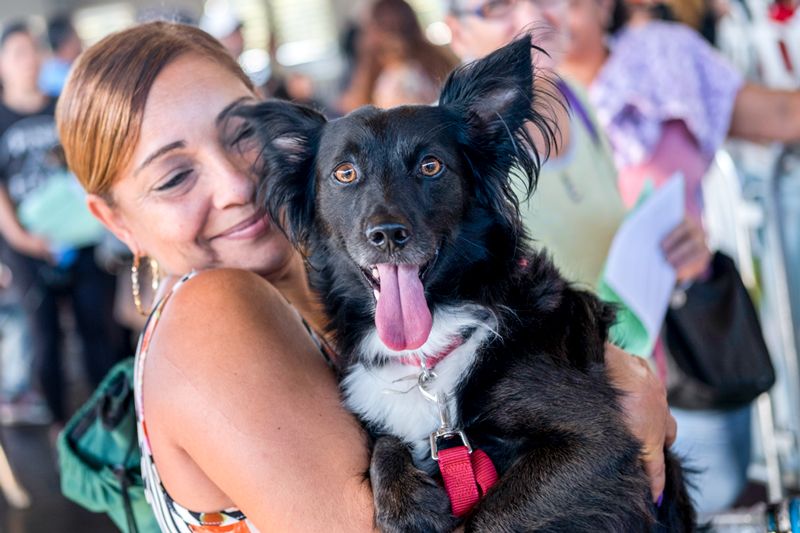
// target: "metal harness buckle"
[[447, 433]]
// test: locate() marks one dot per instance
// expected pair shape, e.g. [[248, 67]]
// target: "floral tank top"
[[170, 515]]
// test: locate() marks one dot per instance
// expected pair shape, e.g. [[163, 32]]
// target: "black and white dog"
[[414, 242]]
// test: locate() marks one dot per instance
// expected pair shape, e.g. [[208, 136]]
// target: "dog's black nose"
[[389, 236]]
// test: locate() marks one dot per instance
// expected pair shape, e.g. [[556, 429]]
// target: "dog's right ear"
[[287, 137], [495, 99]]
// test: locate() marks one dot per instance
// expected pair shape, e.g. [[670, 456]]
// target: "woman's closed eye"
[[244, 143], [173, 181], [242, 134]]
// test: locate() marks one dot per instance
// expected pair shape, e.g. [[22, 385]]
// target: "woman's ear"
[[112, 220]]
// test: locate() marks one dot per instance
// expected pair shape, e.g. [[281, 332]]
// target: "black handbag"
[[718, 357]]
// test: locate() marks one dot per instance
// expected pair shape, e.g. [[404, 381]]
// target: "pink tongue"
[[402, 316]]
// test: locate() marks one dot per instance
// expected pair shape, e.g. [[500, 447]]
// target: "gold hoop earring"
[[155, 276], [155, 279]]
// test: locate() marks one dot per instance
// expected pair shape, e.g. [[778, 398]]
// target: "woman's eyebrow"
[[158, 153], [228, 108]]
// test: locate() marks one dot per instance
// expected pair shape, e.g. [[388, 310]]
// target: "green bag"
[[99, 455]]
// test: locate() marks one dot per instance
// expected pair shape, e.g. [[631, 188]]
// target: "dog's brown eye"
[[345, 173], [431, 166]]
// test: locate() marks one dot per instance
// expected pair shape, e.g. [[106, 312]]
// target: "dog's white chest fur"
[[388, 395]]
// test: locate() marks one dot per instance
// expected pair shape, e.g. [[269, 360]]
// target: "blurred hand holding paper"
[[636, 269], [58, 212]]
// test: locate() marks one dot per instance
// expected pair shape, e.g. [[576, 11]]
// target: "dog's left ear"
[[287, 135], [495, 98]]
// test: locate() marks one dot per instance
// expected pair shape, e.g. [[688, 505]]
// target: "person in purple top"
[[667, 101]]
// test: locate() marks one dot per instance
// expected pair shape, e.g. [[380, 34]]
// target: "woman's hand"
[[644, 402], [686, 250]]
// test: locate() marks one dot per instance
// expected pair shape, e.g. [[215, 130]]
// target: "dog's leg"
[[559, 487], [406, 498]]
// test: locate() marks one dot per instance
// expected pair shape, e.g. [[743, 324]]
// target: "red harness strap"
[[467, 476]]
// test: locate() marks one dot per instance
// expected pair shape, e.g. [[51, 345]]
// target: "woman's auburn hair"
[[99, 113]]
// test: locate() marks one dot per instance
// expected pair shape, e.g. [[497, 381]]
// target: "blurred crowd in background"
[[64, 281]]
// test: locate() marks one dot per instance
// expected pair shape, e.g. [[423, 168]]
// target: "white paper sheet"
[[636, 268]]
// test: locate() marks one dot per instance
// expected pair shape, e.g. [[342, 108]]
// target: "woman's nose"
[[232, 185]]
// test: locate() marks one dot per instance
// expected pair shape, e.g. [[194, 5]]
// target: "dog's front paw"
[[406, 498]]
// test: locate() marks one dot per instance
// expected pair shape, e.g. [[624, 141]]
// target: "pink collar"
[[430, 363]]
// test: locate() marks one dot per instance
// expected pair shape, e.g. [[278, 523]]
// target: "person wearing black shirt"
[[30, 160]]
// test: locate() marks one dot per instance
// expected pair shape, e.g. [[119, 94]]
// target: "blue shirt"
[[52, 76]]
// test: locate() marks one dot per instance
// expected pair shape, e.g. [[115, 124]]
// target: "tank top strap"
[[147, 333]]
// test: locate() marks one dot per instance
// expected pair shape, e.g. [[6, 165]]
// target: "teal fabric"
[[57, 211], [99, 455]]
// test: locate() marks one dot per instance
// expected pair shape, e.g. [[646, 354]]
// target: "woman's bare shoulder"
[[228, 288], [222, 317], [225, 340]]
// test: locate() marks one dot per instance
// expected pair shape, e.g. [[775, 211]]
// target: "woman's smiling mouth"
[[249, 228]]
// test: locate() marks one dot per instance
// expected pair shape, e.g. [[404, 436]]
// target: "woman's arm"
[[763, 114], [234, 382]]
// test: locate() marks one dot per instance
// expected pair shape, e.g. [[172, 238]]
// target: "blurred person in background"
[[34, 180], [701, 15], [667, 101], [395, 63], [648, 117], [66, 47], [577, 207], [297, 87], [224, 25], [20, 402]]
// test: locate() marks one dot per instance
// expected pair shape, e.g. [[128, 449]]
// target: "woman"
[[395, 62], [577, 208], [236, 405], [657, 126], [668, 101]]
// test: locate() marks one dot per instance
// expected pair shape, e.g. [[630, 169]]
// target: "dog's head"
[[410, 195]]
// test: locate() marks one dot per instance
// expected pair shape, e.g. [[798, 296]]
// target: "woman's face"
[[480, 27], [187, 197], [586, 24]]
